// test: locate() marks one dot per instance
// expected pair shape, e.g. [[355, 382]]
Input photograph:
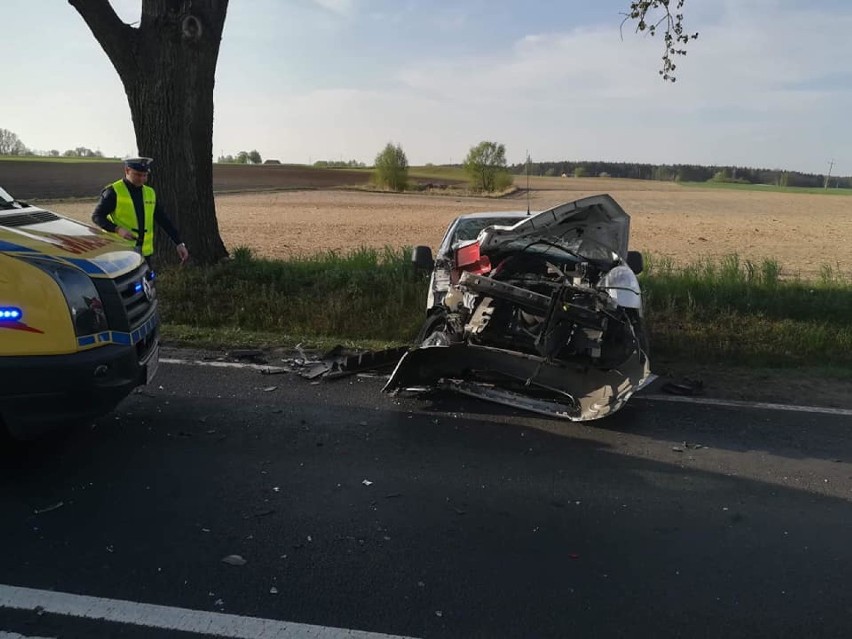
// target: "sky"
[[766, 85]]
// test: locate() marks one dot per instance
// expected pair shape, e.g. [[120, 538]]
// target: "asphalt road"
[[437, 517]]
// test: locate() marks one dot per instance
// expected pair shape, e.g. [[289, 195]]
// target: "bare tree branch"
[[116, 38], [674, 38]]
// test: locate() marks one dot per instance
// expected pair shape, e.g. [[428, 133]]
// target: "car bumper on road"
[[40, 393]]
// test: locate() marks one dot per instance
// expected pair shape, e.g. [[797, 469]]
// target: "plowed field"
[[803, 232]]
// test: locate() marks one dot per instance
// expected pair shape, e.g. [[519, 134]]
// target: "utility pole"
[[828, 177]]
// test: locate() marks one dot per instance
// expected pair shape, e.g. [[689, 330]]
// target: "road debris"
[[234, 560], [341, 362], [47, 509], [687, 387]]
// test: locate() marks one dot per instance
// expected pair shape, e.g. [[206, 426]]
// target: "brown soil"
[[803, 232], [28, 180]]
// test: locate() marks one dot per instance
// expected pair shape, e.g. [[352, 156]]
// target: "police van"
[[79, 326]]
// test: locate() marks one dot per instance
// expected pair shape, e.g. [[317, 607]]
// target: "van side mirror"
[[635, 261], [421, 257]]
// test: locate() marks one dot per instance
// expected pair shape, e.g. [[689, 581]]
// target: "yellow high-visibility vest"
[[125, 213]]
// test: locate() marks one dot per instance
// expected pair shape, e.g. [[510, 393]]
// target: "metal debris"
[[47, 509], [342, 362]]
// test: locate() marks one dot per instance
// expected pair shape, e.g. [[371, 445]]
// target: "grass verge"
[[729, 311]]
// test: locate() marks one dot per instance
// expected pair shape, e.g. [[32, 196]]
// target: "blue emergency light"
[[138, 287], [10, 314]]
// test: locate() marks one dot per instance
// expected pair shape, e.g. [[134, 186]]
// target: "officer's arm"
[[104, 207]]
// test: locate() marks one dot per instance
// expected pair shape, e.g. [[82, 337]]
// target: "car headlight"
[[622, 285], [84, 303]]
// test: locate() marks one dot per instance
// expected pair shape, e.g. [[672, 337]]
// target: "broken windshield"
[[562, 250], [469, 228]]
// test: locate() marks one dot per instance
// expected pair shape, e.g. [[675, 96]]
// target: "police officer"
[[129, 208]]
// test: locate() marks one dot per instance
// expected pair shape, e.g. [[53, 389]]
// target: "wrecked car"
[[538, 311]]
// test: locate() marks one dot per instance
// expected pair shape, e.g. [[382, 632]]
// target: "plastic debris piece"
[[234, 560], [273, 590], [269, 389], [367, 482], [687, 387]]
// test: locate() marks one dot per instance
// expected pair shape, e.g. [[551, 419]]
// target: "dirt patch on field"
[[28, 180]]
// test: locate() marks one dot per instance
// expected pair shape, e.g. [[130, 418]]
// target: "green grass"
[[766, 188], [731, 311], [438, 173], [740, 311], [365, 295]]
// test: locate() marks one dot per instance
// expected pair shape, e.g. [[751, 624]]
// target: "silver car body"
[[539, 311]]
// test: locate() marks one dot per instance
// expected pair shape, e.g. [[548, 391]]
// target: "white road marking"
[[200, 362], [740, 404], [167, 618], [650, 397]]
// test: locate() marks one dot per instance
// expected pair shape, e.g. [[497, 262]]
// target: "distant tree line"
[[681, 173], [11, 144], [243, 157], [339, 164]]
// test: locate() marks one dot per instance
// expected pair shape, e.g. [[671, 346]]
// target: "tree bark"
[[167, 66]]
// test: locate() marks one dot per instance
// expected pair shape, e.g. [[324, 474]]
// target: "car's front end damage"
[[544, 314]]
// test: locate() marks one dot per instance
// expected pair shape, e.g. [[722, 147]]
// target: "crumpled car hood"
[[527, 319], [598, 217]]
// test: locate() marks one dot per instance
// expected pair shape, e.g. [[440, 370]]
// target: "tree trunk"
[[168, 67]]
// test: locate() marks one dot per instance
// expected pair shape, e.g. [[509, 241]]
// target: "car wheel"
[[436, 322]]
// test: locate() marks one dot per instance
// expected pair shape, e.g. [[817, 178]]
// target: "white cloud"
[[762, 86], [741, 97], [341, 7]]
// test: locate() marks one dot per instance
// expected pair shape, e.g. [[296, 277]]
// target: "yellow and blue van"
[[79, 326]]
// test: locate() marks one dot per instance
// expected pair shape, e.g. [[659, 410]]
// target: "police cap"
[[140, 164]]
